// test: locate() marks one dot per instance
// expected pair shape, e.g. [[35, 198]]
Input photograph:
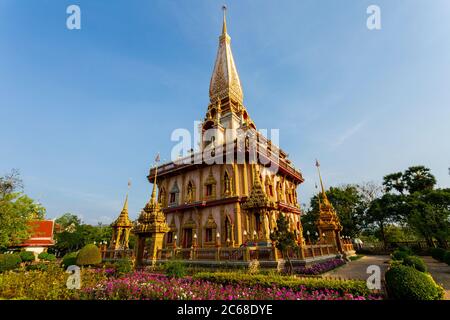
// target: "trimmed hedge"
[[27, 256], [9, 261], [400, 255], [447, 258], [407, 283], [355, 287], [438, 253], [46, 256], [415, 262], [89, 255], [70, 259]]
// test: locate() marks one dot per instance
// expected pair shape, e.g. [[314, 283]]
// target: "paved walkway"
[[440, 272], [358, 269]]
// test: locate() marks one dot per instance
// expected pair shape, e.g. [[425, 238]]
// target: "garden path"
[[358, 269], [440, 272]]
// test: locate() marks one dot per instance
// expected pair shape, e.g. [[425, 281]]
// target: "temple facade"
[[229, 203], [209, 207]]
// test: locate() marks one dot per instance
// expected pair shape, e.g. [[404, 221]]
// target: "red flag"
[[157, 158], [317, 163]]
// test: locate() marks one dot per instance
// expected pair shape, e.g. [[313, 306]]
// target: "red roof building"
[[41, 235]]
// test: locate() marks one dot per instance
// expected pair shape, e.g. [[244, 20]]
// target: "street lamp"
[[195, 239], [307, 235], [175, 238], [254, 234]]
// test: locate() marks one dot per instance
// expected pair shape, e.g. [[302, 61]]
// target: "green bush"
[[27, 256], [124, 266], [400, 254], [9, 261], [38, 266], [447, 257], [175, 269], [355, 287], [406, 283], [415, 262], [89, 255], [438, 253], [46, 256], [69, 259]]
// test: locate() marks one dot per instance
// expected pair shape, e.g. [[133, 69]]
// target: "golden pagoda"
[[328, 223], [121, 229], [225, 204], [151, 225]]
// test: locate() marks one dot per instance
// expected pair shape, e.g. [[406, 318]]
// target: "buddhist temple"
[[223, 210]]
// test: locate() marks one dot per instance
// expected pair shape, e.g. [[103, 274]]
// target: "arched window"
[[174, 194]]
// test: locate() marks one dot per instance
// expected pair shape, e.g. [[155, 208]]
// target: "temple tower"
[[121, 229], [328, 223], [150, 225]]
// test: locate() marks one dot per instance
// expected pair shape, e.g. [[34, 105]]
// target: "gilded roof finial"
[[324, 194], [125, 205], [153, 199], [224, 27]]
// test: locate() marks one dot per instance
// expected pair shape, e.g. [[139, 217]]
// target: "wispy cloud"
[[348, 134]]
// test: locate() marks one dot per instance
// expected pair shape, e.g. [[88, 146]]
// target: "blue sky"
[[82, 111]]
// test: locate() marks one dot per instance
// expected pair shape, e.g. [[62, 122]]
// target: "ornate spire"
[[324, 194], [225, 79], [123, 220]]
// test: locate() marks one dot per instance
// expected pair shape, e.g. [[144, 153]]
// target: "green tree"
[[76, 235], [383, 212], [16, 210], [284, 239], [429, 215]]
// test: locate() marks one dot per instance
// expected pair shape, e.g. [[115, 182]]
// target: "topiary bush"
[[89, 255], [27, 256], [400, 254], [406, 283], [175, 269], [46, 256], [438, 253], [447, 257], [70, 259], [415, 262], [9, 261]]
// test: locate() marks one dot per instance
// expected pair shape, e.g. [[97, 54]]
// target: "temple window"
[[174, 193], [209, 188], [209, 235], [170, 237]]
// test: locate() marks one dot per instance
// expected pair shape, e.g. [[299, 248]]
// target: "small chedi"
[[225, 211]]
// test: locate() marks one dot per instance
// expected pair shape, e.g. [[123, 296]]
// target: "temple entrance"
[[187, 237]]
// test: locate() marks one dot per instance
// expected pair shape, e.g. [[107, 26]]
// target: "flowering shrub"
[[320, 267], [44, 285], [142, 285], [354, 287]]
